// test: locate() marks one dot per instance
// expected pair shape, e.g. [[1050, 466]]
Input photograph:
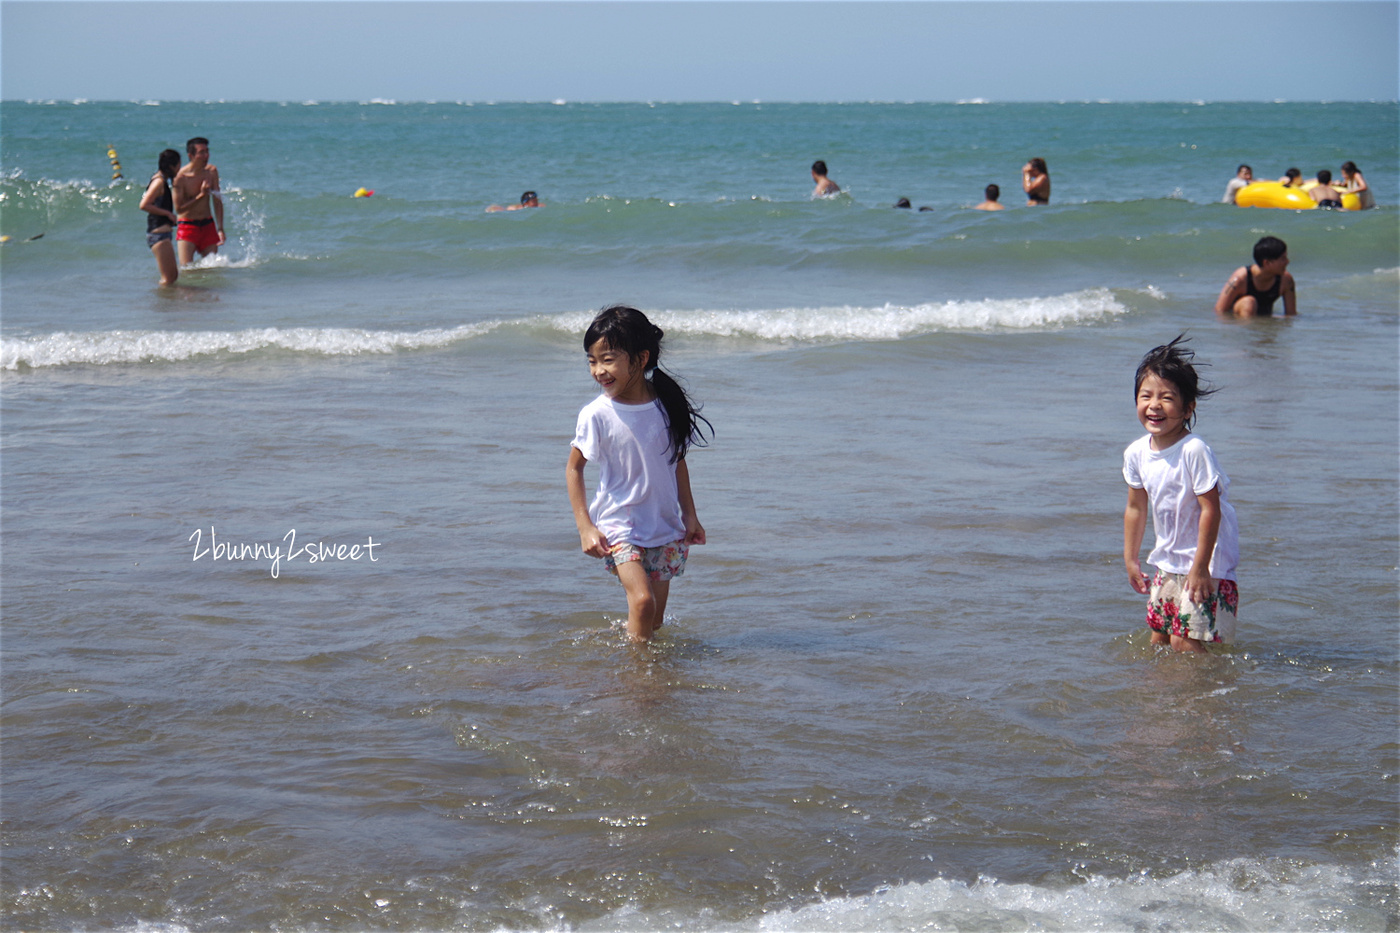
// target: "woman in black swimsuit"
[[1264, 301], [1035, 181], [159, 204], [1242, 295]]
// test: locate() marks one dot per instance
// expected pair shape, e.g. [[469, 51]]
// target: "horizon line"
[[562, 102]]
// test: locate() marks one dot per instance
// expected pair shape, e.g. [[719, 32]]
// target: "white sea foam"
[[893, 322], [783, 325], [125, 347], [1241, 894]]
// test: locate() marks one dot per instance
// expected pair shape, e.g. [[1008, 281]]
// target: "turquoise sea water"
[[905, 685]]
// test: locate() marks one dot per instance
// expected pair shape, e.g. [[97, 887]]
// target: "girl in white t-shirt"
[[642, 517], [1192, 598]]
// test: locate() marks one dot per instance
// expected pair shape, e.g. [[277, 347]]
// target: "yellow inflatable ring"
[[1273, 194]]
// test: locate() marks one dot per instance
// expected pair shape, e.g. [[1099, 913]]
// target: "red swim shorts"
[[202, 233]]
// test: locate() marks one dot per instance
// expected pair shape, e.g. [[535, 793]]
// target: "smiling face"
[[1161, 411], [622, 376]]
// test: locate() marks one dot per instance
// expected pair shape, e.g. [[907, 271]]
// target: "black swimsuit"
[[166, 202], [1265, 299]]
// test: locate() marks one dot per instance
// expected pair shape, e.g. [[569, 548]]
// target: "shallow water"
[[905, 685]]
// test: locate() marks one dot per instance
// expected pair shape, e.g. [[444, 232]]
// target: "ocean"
[[297, 634]]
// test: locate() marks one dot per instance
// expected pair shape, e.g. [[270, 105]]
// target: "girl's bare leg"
[[1193, 645], [660, 590], [641, 600]]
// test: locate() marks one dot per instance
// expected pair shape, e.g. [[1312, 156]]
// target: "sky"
[[704, 50]]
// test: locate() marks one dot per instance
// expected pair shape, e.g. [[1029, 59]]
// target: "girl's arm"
[[148, 200], [1290, 295], [694, 532], [1134, 524], [593, 541], [1199, 585]]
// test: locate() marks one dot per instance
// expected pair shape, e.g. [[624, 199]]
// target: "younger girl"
[[1193, 599], [642, 518]]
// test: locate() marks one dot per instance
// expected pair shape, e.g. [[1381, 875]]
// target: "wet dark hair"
[[1038, 164], [819, 167], [1243, 166], [1324, 176], [196, 141], [1349, 168], [903, 202], [1172, 362], [628, 330], [528, 196], [1269, 247], [168, 162], [992, 192]]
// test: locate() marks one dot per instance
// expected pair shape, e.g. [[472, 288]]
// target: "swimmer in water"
[[1323, 192], [1356, 184], [825, 186], [1252, 290], [991, 203], [1243, 176], [528, 199], [1035, 181]]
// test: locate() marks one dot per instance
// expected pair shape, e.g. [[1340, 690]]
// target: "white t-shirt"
[[1233, 188], [637, 501], [1173, 479]]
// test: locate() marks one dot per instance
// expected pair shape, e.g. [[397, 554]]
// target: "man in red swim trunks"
[[198, 205]]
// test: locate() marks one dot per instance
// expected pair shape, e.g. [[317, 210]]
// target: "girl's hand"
[[1199, 586], [694, 531], [594, 542], [1135, 577]]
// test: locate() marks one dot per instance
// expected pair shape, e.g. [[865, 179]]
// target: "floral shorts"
[[1170, 611], [661, 563]]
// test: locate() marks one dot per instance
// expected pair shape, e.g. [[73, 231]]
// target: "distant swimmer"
[[1252, 290], [1035, 181], [159, 204], [1243, 176], [825, 186], [992, 193], [528, 199], [1356, 184], [904, 203], [1292, 179], [198, 204], [1323, 192]]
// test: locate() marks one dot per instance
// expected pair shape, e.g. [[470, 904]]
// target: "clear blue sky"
[[684, 51]]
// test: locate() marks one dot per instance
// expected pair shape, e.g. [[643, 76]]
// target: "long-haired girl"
[[642, 518]]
